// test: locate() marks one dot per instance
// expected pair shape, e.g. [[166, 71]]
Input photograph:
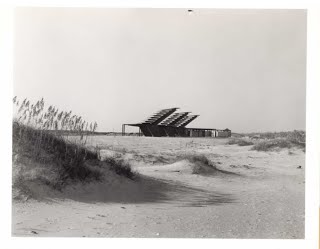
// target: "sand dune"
[[242, 194]]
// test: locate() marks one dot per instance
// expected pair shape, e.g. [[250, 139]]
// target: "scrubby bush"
[[268, 145], [297, 138], [240, 141], [293, 135], [272, 140], [281, 140]]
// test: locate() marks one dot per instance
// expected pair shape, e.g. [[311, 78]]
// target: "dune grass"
[[43, 155], [201, 164], [51, 162], [199, 158]]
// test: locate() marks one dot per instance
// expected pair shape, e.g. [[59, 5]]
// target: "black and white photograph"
[[159, 123]]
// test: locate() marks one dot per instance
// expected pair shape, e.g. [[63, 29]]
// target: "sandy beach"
[[250, 194]]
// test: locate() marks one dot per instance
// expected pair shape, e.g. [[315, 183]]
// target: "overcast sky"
[[238, 69]]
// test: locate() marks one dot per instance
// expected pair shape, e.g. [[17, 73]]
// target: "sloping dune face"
[[182, 188]]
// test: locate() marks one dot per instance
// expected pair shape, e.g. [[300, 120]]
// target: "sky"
[[239, 69]]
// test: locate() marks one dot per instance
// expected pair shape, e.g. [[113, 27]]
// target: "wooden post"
[[123, 129]]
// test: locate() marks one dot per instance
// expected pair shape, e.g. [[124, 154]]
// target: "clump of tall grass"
[[201, 163], [53, 120], [37, 136], [42, 128], [43, 152]]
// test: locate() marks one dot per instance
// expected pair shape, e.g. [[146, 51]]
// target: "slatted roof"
[[167, 117], [186, 120], [174, 118], [161, 115]]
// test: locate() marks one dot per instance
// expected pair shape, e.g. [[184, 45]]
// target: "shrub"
[[240, 142], [273, 140], [282, 140], [297, 138], [299, 135], [268, 145]]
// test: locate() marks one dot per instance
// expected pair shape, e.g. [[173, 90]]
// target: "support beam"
[[123, 130]]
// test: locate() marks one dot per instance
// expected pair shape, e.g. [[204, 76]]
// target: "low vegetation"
[[290, 135], [201, 164], [271, 144], [44, 154], [199, 158], [269, 141], [240, 141]]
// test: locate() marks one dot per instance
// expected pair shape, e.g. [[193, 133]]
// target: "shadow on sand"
[[146, 189]]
